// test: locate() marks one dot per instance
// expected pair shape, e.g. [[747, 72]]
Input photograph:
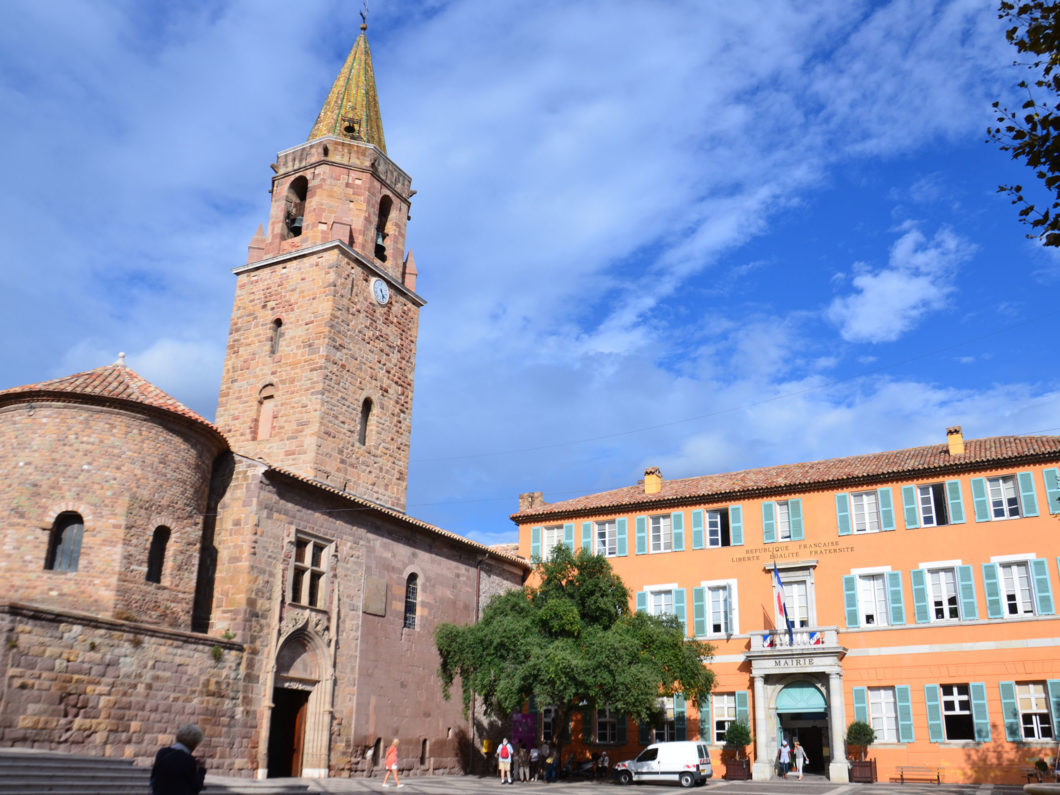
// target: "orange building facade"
[[919, 588]]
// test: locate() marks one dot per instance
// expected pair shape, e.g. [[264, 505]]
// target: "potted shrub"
[[737, 738], [861, 735]]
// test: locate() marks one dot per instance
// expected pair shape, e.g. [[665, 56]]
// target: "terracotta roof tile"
[[112, 382], [913, 462]]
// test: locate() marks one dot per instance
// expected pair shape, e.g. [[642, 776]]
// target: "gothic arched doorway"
[[297, 738]]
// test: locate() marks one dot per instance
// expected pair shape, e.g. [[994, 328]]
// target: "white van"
[[683, 761]]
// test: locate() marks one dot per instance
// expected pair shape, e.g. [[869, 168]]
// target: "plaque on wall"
[[375, 596]]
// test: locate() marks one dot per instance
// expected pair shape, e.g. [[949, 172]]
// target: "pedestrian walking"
[[801, 758], [391, 764]]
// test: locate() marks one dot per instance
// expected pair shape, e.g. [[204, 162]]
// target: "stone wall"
[[79, 684]]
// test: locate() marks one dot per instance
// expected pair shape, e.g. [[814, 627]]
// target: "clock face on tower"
[[380, 291]]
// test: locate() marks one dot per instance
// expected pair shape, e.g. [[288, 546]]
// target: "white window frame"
[[307, 570], [1013, 592], [548, 718], [871, 613], [928, 507], [954, 703], [799, 573], [659, 590], [606, 727], [933, 590], [722, 713], [660, 526], [605, 538], [712, 526], [728, 587], [1040, 723], [883, 713], [551, 536], [783, 520], [865, 511], [1001, 505], [667, 732]]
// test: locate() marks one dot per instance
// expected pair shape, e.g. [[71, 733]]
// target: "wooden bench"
[[1032, 773], [919, 773]]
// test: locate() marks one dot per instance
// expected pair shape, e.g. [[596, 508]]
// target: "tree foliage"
[[1032, 134], [572, 642]]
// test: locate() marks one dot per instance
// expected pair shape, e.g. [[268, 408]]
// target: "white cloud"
[[889, 302]]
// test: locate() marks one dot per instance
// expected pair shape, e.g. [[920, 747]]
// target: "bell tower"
[[318, 375]]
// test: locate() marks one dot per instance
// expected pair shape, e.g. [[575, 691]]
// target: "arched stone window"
[[266, 410], [277, 335], [64, 543], [385, 204], [294, 207], [412, 587], [156, 555], [366, 415]]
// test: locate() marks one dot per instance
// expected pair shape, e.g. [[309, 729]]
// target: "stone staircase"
[[26, 771]]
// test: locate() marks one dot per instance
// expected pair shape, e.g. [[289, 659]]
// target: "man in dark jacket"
[[176, 771]]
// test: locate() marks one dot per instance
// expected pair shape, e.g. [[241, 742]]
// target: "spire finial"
[[364, 16], [121, 360]]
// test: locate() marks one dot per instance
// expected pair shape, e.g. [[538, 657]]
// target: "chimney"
[[955, 439], [652, 480], [532, 499]]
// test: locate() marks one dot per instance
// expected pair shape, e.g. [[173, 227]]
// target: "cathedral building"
[[912, 590], [259, 574]]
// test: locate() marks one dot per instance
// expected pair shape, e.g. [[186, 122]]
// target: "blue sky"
[[703, 236]]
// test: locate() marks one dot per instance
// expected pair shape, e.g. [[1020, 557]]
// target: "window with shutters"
[[783, 518], [309, 572], [942, 594], [1032, 701], [872, 600], [723, 706], [607, 726], [1016, 593], [931, 501], [865, 512], [665, 729], [1004, 498], [606, 535], [957, 716], [660, 534], [661, 602], [551, 537], [883, 713]]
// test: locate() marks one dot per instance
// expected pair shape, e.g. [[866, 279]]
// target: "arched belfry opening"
[[294, 207], [385, 205], [301, 697]]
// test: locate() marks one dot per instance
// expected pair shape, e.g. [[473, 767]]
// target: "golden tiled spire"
[[352, 107]]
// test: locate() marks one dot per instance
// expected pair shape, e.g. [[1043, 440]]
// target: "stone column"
[[837, 768], [763, 766]]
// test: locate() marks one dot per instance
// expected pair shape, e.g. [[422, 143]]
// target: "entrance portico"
[[798, 687]]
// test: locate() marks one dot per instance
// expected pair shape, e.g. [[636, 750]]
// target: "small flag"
[[767, 640], [816, 639], [782, 610]]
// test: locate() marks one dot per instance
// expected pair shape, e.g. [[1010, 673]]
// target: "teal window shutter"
[[587, 536], [743, 712], [677, 524], [681, 608], [905, 713], [966, 589], [588, 724], [706, 727], [795, 517], [1052, 488], [698, 537], [642, 535], [1028, 499], [568, 535], [850, 600], [886, 508], [620, 533], [1053, 687], [699, 612], [621, 729], [955, 501], [644, 733], [895, 601], [642, 602], [680, 721], [936, 734], [921, 614], [861, 704], [979, 501], [535, 543], [842, 513], [979, 712], [1010, 714], [736, 525], [992, 591], [910, 508], [1043, 592], [769, 522]]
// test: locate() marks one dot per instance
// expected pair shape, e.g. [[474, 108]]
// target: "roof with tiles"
[[352, 107], [788, 478], [112, 383]]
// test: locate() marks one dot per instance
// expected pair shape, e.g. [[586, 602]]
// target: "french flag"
[[782, 609]]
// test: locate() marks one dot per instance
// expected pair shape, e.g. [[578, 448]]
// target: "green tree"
[[1032, 134], [572, 642]]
